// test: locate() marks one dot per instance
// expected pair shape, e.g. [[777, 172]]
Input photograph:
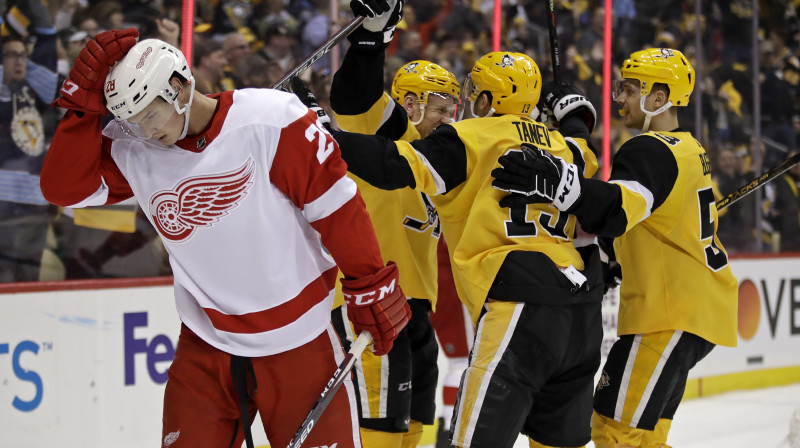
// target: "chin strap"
[[186, 109], [649, 115], [421, 114]]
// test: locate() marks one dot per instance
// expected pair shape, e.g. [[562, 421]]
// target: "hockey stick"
[[554, 53], [758, 182], [330, 389], [321, 51]]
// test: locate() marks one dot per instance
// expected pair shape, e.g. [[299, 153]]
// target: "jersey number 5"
[[716, 258]]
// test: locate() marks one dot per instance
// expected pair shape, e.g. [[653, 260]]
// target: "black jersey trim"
[[446, 155], [358, 84]]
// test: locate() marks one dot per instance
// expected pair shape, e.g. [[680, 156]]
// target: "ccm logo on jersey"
[[372, 296]]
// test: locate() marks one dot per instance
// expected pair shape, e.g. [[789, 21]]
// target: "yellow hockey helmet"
[[665, 66], [513, 79], [422, 78]]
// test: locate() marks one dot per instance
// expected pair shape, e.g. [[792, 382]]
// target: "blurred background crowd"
[[748, 88]]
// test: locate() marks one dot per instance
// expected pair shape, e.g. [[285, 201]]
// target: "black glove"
[[565, 100], [376, 31], [300, 88], [612, 271], [369, 8], [534, 176]]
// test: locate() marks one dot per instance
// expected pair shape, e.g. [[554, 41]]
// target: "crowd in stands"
[[252, 43]]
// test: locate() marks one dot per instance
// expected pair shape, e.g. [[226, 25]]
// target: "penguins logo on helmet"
[[667, 53], [411, 68], [506, 61]]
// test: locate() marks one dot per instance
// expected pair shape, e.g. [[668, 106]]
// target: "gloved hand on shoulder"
[[534, 176]]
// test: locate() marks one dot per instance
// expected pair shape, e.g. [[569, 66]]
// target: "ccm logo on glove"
[[371, 296]]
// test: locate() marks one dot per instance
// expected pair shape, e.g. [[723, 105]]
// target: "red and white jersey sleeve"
[[243, 210]]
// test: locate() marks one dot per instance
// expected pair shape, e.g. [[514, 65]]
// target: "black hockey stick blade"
[[758, 182], [330, 389], [321, 51]]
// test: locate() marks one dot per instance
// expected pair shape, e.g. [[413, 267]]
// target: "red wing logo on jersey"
[[199, 201]]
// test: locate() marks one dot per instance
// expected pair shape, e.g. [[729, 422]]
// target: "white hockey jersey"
[[241, 209]]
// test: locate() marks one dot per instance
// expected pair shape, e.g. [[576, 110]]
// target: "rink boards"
[[86, 366]]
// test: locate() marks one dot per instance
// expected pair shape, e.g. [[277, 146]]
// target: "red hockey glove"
[[116, 44], [83, 90], [377, 304]]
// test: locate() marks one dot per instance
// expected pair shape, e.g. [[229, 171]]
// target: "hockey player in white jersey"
[[245, 188]]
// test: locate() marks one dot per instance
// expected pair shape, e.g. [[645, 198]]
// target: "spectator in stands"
[[108, 14], [208, 65], [736, 221], [236, 47], [279, 44], [258, 72], [29, 84], [783, 209]]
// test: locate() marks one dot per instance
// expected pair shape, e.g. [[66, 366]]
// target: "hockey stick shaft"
[[321, 51], [758, 182], [330, 389], [554, 52]]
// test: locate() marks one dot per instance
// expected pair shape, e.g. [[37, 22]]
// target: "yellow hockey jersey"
[[453, 165], [405, 220], [660, 206]]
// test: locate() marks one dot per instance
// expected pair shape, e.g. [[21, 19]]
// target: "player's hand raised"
[[377, 30], [564, 100], [82, 91]]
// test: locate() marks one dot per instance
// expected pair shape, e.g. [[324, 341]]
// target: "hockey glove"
[[377, 32], [612, 271], [565, 100], [369, 8], [82, 91], [300, 88], [377, 304], [116, 44], [534, 176]]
